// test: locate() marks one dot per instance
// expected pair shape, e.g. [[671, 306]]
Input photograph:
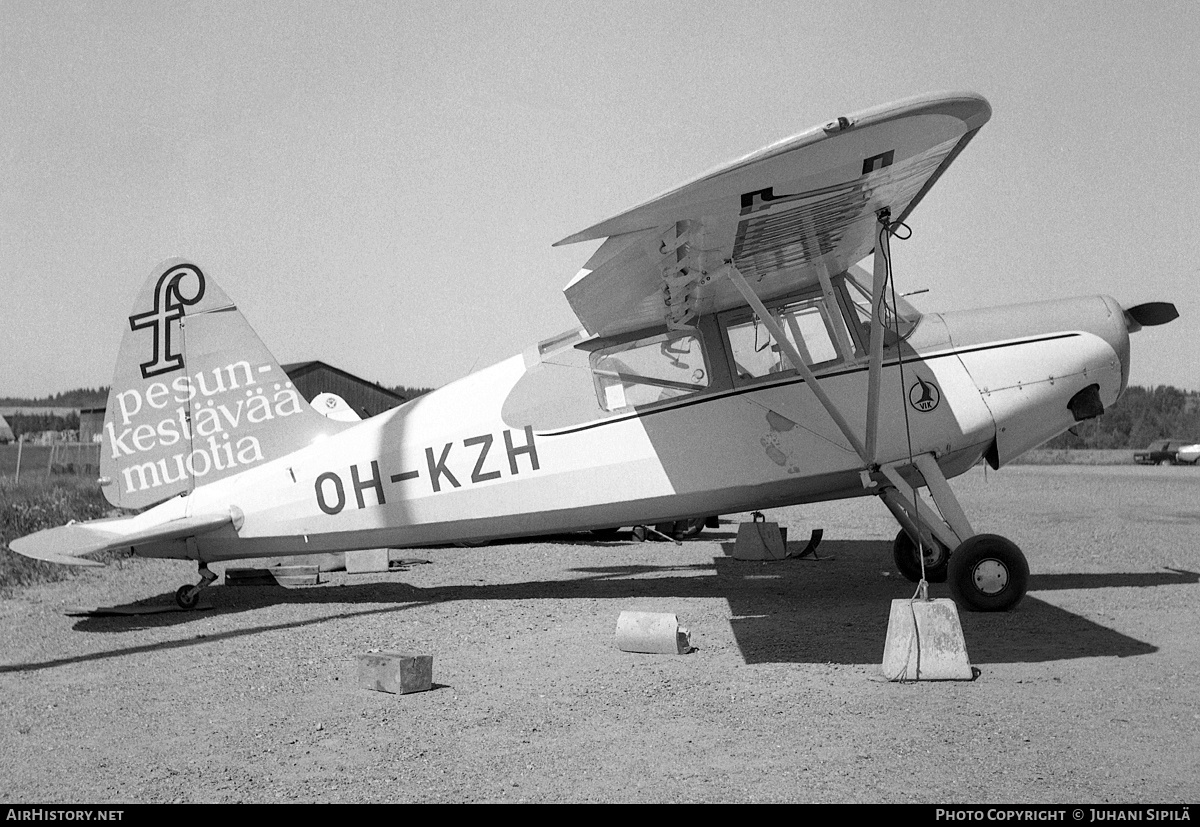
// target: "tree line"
[[1139, 417], [78, 398]]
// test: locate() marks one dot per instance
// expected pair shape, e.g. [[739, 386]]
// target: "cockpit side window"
[[652, 369], [809, 326]]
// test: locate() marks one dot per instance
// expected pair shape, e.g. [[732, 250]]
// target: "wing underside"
[[782, 216]]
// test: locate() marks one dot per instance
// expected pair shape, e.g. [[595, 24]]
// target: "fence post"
[[20, 446]]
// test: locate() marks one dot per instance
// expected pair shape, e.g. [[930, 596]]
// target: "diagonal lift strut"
[[951, 526]]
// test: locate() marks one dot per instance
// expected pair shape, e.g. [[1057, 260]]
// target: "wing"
[[781, 215]]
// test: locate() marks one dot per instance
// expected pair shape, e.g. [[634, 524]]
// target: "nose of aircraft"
[[1042, 367], [1148, 314], [1115, 330]]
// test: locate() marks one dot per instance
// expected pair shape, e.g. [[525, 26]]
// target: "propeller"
[[1149, 315]]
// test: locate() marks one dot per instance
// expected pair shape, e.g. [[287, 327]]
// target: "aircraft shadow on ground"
[[831, 610], [837, 612]]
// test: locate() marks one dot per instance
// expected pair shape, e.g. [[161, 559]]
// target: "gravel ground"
[[1086, 693]]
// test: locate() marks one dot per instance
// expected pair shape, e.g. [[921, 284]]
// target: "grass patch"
[[37, 504], [1076, 456]]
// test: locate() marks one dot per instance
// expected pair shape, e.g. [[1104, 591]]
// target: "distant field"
[[35, 460], [1076, 456]]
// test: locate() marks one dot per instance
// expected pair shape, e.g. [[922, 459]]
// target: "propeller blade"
[[1150, 314]]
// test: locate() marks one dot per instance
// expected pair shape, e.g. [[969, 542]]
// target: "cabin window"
[[650, 370], [809, 328]]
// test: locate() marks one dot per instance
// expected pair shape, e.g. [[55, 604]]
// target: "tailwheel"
[[904, 551], [988, 573], [188, 596]]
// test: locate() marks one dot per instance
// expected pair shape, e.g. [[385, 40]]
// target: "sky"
[[377, 185]]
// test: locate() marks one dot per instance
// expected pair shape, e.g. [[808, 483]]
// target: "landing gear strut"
[[937, 556], [188, 596], [985, 572]]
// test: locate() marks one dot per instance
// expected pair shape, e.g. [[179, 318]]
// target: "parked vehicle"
[[1166, 452], [1189, 454]]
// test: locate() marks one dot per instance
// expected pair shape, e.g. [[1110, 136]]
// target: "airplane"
[[731, 355]]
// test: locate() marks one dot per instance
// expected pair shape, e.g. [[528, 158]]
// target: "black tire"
[[904, 552], [183, 599], [988, 573]]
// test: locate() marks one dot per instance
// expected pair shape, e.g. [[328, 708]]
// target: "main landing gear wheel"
[[682, 529], [904, 551], [988, 573], [676, 530]]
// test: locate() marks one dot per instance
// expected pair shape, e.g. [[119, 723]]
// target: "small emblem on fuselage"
[[924, 396]]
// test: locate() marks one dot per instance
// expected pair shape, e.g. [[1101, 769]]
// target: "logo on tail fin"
[[170, 299]]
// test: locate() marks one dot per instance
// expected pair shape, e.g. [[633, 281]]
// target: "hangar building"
[[366, 398], [310, 379]]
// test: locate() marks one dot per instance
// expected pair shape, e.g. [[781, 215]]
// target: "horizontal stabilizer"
[[70, 543]]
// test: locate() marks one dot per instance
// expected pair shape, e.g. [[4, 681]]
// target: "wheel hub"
[[934, 554], [991, 576]]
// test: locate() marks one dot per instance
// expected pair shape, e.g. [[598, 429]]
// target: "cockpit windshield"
[[858, 293]]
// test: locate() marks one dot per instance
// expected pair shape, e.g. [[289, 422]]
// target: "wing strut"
[[772, 325], [951, 526], [868, 451], [883, 254]]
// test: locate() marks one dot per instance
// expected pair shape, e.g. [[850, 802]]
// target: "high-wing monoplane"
[[731, 356]]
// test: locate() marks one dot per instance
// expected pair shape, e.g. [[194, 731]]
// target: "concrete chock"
[[325, 561], [273, 576], [653, 633], [760, 541], [367, 560], [925, 642], [395, 672]]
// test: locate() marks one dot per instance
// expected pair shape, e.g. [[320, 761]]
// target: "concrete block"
[[925, 642], [760, 541], [395, 672], [325, 561], [367, 560], [652, 633]]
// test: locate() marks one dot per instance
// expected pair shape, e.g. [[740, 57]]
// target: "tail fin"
[[196, 395]]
